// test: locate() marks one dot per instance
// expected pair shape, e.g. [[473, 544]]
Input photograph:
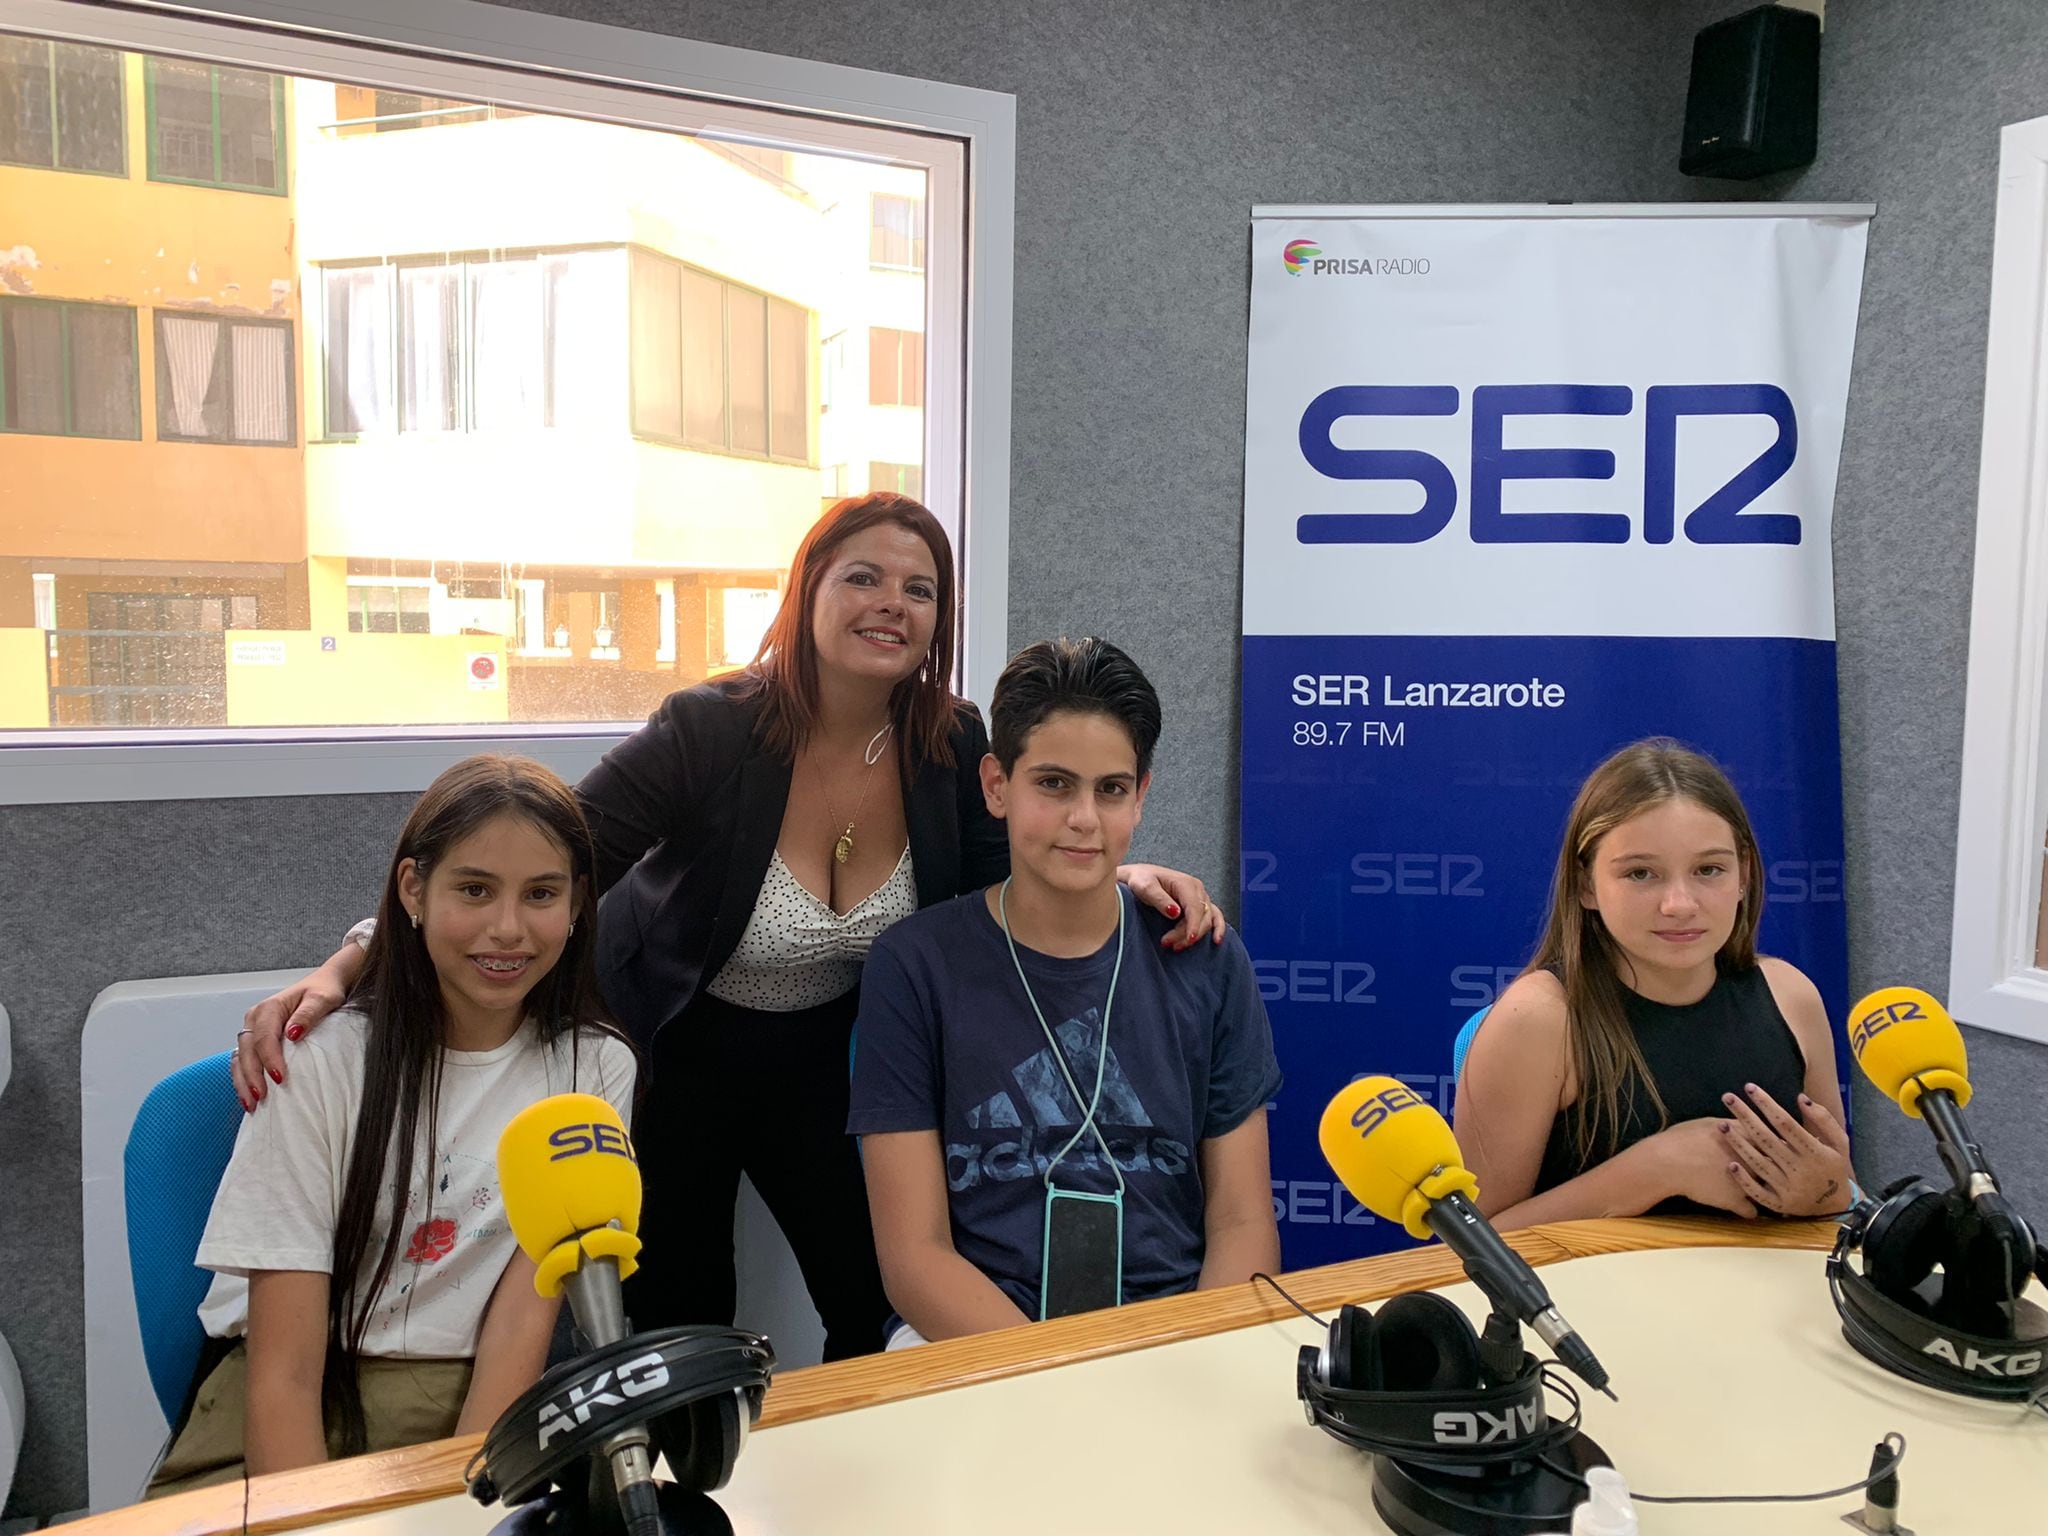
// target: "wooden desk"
[[1320, 1477]]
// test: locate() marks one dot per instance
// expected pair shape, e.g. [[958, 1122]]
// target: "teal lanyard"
[[1102, 1056]]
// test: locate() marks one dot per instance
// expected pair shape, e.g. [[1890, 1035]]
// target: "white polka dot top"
[[797, 952]]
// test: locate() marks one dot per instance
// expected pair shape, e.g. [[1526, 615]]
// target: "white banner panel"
[[1522, 485]]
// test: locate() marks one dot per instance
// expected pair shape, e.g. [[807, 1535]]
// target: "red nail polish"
[[1173, 909], [276, 1076], [295, 1031]]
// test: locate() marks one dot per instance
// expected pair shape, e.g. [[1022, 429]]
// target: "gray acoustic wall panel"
[[1912, 98]]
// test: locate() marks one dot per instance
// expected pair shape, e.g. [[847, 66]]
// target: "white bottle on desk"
[[1608, 1510]]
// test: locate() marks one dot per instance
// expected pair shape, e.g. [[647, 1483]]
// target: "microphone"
[[571, 1188], [1908, 1046], [1400, 1161]]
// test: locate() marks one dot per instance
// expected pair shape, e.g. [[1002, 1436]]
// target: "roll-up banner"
[[1522, 485]]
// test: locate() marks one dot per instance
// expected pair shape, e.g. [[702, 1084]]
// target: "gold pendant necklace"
[[842, 850]]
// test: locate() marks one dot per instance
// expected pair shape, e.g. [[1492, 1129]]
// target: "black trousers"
[[735, 1090]]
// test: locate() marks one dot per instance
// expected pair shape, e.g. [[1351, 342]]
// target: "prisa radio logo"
[[1298, 255], [1301, 256]]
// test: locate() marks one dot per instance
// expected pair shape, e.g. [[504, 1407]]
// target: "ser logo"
[[1722, 518], [1417, 874], [1803, 880], [1316, 981], [596, 1137], [636, 1378], [2017, 1366], [1476, 986], [1382, 1107], [1878, 1020]]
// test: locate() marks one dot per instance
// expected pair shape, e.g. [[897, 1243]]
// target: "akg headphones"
[[1937, 1331], [1409, 1382], [698, 1391]]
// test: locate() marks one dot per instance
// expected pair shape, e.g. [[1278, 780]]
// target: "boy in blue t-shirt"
[[965, 1102]]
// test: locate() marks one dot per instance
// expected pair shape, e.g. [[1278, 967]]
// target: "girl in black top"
[[1649, 1058]]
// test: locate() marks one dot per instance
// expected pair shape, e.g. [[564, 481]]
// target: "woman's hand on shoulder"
[[1514, 1083], [286, 1015], [1180, 896]]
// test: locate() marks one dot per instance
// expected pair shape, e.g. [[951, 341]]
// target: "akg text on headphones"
[[1966, 1329], [1408, 1382], [698, 1390]]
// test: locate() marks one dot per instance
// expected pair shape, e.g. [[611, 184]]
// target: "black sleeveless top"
[[1696, 1053]]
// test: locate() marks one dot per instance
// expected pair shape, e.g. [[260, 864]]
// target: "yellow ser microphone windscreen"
[[1392, 1151], [566, 1166], [1907, 1045]]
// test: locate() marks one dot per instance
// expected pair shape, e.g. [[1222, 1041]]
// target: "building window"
[[903, 479], [213, 126], [538, 467], [896, 232], [716, 365], [469, 346], [773, 165], [68, 370], [895, 367], [61, 107], [399, 110], [378, 609], [223, 380]]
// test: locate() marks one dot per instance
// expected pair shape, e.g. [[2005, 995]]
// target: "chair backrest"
[[171, 1166], [1464, 1042]]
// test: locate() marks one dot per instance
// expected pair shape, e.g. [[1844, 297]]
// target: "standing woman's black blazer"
[[686, 811]]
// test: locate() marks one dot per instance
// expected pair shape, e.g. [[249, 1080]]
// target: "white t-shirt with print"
[[281, 1194]]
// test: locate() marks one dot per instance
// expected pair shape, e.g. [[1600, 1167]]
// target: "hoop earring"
[[415, 919], [572, 930]]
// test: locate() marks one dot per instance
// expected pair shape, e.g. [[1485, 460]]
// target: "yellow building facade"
[[152, 478], [326, 405]]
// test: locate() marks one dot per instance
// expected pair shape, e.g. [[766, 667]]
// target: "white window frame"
[[1993, 980], [571, 65]]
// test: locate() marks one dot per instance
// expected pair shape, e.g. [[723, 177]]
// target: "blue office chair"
[[1464, 1042], [177, 1150]]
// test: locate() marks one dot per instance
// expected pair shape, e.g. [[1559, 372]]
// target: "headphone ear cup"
[[702, 1442], [1426, 1344], [1354, 1351], [1902, 1246]]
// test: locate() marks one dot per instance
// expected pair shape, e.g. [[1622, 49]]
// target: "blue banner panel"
[[1404, 797]]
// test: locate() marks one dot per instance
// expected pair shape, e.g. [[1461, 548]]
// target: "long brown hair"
[[784, 671], [399, 994], [1577, 948]]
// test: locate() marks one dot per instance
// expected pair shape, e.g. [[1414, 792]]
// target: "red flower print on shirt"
[[432, 1241]]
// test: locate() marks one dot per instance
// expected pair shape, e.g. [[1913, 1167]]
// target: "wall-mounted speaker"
[[1753, 106]]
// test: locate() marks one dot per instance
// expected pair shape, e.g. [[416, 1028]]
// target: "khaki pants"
[[405, 1402]]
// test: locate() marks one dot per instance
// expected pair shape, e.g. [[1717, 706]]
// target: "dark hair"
[[1088, 676], [784, 671], [1575, 944], [399, 994]]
